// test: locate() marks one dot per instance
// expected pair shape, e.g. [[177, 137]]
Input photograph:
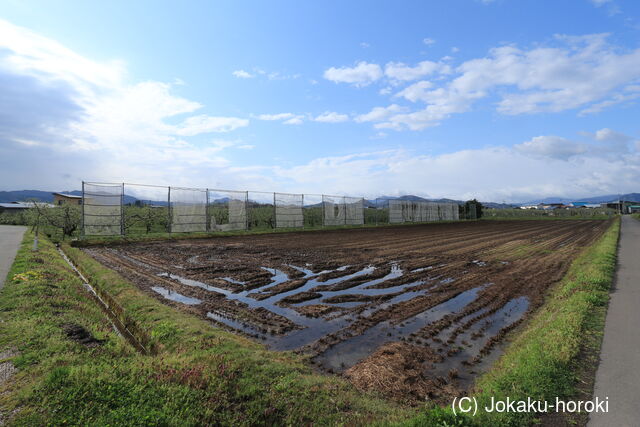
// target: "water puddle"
[[174, 296], [469, 344], [236, 325], [234, 281], [347, 353]]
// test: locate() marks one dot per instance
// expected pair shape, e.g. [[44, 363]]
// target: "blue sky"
[[501, 100]]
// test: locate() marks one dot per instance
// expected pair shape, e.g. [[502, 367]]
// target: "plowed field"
[[410, 311]]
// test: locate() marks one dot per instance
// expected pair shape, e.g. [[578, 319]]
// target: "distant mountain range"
[[47, 196], [632, 197]]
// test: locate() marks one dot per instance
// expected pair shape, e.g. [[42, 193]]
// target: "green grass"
[[545, 359], [200, 375]]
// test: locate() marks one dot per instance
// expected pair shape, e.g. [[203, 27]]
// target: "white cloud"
[[455, 49], [400, 71], [362, 74], [364, 45], [428, 41], [599, 3], [280, 116], [608, 135], [604, 143], [206, 124], [378, 114], [418, 91], [242, 74], [286, 118], [331, 117], [295, 120], [92, 122], [553, 147], [490, 174], [573, 72]]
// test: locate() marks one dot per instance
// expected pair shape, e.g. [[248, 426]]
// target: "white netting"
[[228, 210], [188, 210], [145, 209], [289, 210], [354, 210], [417, 211], [102, 209], [333, 210]]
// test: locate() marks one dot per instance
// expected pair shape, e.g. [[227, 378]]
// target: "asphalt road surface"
[[618, 376], [10, 238]]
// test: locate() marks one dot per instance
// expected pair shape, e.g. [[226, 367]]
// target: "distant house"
[[584, 205], [634, 209], [60, 199], [551, 206], [14, 207]]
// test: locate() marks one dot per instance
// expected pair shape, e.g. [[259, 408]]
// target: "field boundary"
[[553, 352], [159, 237]]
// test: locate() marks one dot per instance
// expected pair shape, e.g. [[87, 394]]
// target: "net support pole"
[[122, 210], [344, 206], [246, 210], [83, 200], [169, 209], [206, 213], [275, 212]]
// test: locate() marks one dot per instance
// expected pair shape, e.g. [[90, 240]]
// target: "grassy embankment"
[[199, 375], [554, 353]]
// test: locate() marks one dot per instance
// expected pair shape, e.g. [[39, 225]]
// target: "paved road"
[[618, 375], [10, 238]]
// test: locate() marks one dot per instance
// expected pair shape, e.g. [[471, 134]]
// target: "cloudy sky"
[[503, 100]]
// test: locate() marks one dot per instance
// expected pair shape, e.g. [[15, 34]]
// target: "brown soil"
[[80, 335], [426, 307]]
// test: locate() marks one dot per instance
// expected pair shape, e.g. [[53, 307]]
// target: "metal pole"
[[246, 210], [169, 210], [344, 206], [275, 215], [122, 211], [82, 233], [302, 210], [323, 210], [206, 213]]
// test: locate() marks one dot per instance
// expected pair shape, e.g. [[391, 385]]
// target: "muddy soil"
[[431, 304]]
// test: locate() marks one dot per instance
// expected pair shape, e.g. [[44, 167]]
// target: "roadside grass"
[[544, 360], [200, 375]]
